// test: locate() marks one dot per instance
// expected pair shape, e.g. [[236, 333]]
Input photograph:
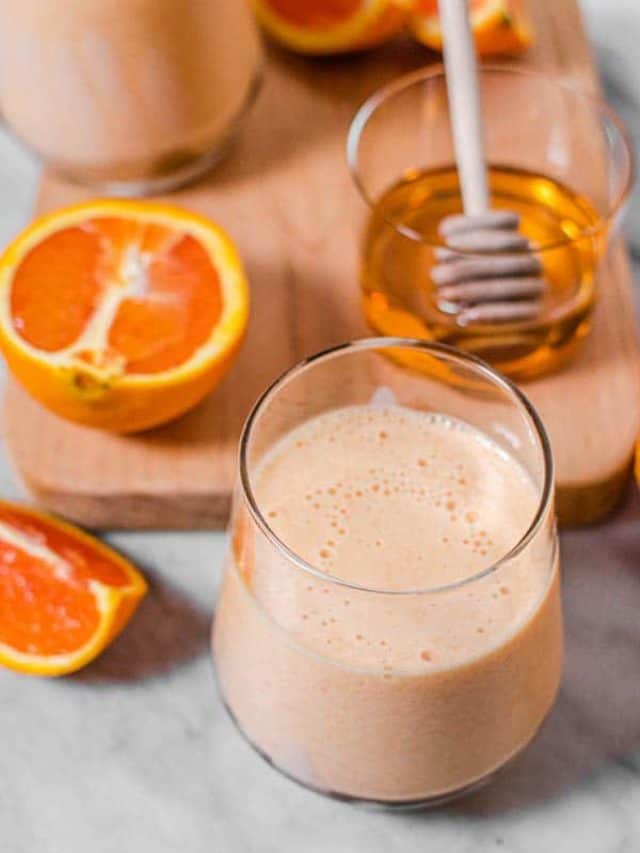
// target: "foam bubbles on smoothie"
[[372, 524], [387, 498]]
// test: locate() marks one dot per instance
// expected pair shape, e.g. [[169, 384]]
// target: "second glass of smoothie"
[[135, 97], [389, 626]]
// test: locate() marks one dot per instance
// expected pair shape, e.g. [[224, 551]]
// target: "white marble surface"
[[136, 754]]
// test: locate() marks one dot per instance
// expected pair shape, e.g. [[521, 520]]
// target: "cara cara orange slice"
[[331, 26], [64, 596], [121, 315], [499, 26]]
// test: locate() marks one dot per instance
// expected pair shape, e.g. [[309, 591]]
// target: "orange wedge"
[[499, 26], [121, 314], [330, 26], [64, 596]]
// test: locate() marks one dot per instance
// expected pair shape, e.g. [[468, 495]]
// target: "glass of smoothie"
[[389, 624], [135, 97]]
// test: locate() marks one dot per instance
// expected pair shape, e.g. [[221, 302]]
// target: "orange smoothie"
[[401, 670], [115, 91]]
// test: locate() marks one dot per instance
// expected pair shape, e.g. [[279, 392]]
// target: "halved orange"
[[331, 26], [499, 26], [64, 596], [121, 314]]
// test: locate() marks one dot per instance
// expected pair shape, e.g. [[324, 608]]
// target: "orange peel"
[[120, 314], [324, 27], [64, 596], [499, 26]]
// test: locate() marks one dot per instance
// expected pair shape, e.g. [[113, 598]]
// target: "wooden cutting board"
[[287, 199]]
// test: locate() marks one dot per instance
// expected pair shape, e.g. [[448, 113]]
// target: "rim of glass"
[[443, 352], [369, 107]]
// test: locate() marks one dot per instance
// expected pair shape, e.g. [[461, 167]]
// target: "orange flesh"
[[426, 7], [55, 291], [176, 303], [315, 14], [430, 7], [39, 612]]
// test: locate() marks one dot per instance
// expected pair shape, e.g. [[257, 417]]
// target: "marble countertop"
[[136, 754]]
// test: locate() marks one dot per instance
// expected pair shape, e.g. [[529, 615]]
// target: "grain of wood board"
[[287, 199]]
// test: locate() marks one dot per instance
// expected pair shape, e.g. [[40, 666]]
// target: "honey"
[[400, 299]]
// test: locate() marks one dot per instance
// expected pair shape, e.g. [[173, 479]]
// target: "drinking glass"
[[134, 98], [557, 156], [379, 729]]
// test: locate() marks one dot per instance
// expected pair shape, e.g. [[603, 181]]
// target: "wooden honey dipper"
[[501, 287]]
